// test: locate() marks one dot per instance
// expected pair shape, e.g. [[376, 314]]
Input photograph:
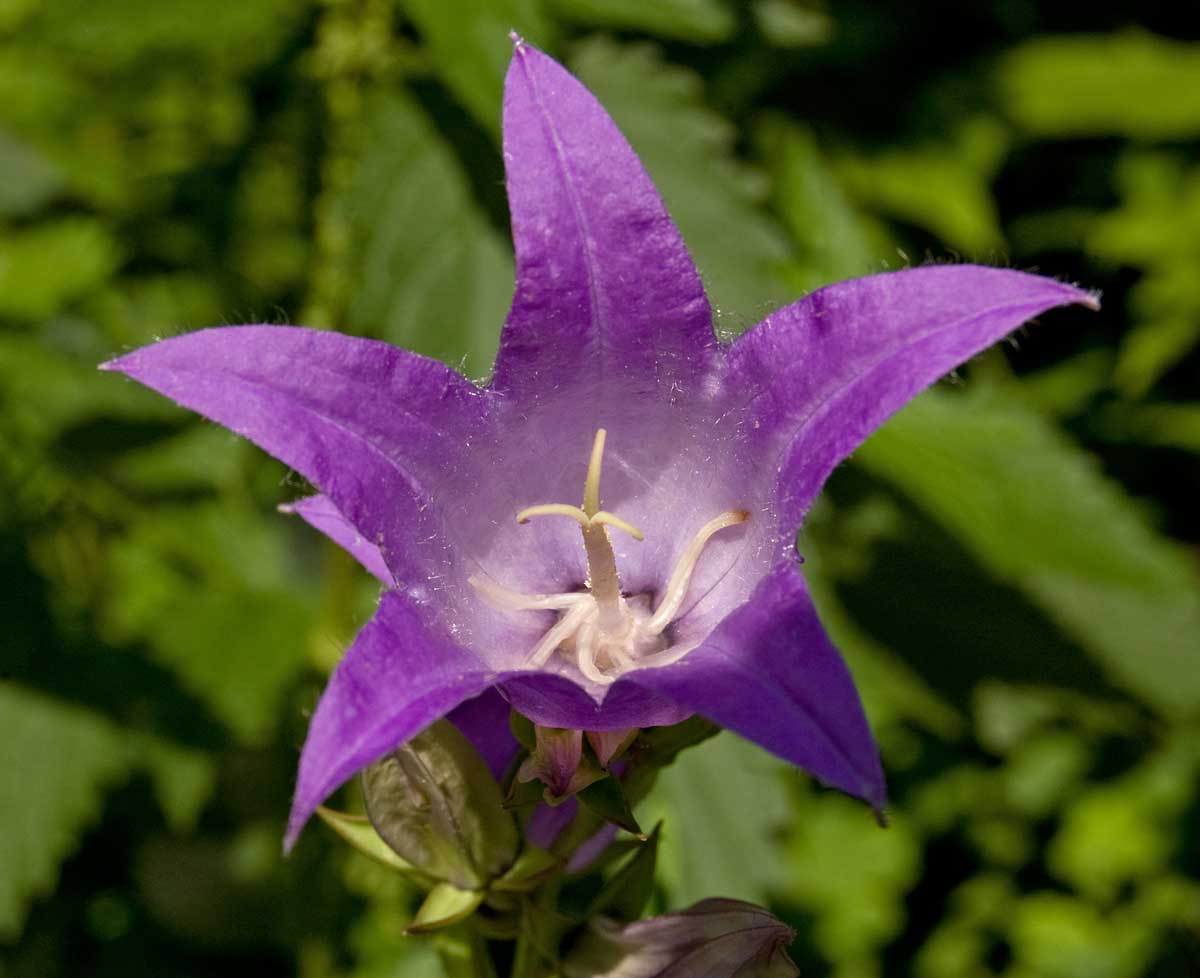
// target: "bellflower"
[[605, 532]]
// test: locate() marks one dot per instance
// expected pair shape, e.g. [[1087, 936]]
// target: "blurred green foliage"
[[1010, 565]]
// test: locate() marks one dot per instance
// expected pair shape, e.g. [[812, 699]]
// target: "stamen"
[[563, 629], [682, 575], [606, 635], [504, 599], [587, 644]]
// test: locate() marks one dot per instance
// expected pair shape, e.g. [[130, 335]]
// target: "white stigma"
[[600, 629]]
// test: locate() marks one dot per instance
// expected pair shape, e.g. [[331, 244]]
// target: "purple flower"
[[609, 387]]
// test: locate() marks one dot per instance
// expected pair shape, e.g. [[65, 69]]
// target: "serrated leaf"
[[1035, 511], [727, 799], [211, 591], [687, 148], [1104, 84], [426, 269], [469, 43], [56, 762], [698, 21]]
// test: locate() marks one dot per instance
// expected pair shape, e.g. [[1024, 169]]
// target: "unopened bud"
[[557, 761], [435, 803], [610, 744], [715, 938]]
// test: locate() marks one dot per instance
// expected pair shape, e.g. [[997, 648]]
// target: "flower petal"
[[319, 512], [399, 676], [553, 700], [770, 673], [377, 429], [606, 291], [818, 376]]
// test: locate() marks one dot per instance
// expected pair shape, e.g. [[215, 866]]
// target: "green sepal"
[[523, 730], [530, 869], [625, 895], [607, 799], [659, 746], [358, 831], [523, 794], [434, 801], [444, 905]]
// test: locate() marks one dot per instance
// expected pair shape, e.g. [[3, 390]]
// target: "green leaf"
[[121, 31], [27, 178], [944, 188], [212, 591], [531, 868], [793, 23], [626, 894], [850, 875], [697, 21], [727, 800], [57, 761], [358, 831], [426, 270], [469, 44], [445, 905], [832, 240], [606, 799], [688, 150], [1168, 425], [184, 780], [1133, 84], [1036, 512], [434, 801], [44, 268]]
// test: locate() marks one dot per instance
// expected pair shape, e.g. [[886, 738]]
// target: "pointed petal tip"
[[518, 42]]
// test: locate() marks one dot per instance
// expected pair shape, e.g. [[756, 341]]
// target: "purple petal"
[[377, 429], [319, 512], [820, 375], [607, 294], [484, 722], [556, 701], [770, 673], [397, 678]]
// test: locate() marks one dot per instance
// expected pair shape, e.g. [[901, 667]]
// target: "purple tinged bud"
[[610, 744], [557, 761], [715, 938]]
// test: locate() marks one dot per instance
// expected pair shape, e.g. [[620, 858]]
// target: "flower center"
[[604, 632]]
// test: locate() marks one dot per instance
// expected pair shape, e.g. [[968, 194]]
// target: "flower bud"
[[714, 939], [435, 803], [557, 761]]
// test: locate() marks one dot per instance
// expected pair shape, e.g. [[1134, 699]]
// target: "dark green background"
[[1010, 565]]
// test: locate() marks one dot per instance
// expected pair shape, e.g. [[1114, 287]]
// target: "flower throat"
[[602, 630]]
